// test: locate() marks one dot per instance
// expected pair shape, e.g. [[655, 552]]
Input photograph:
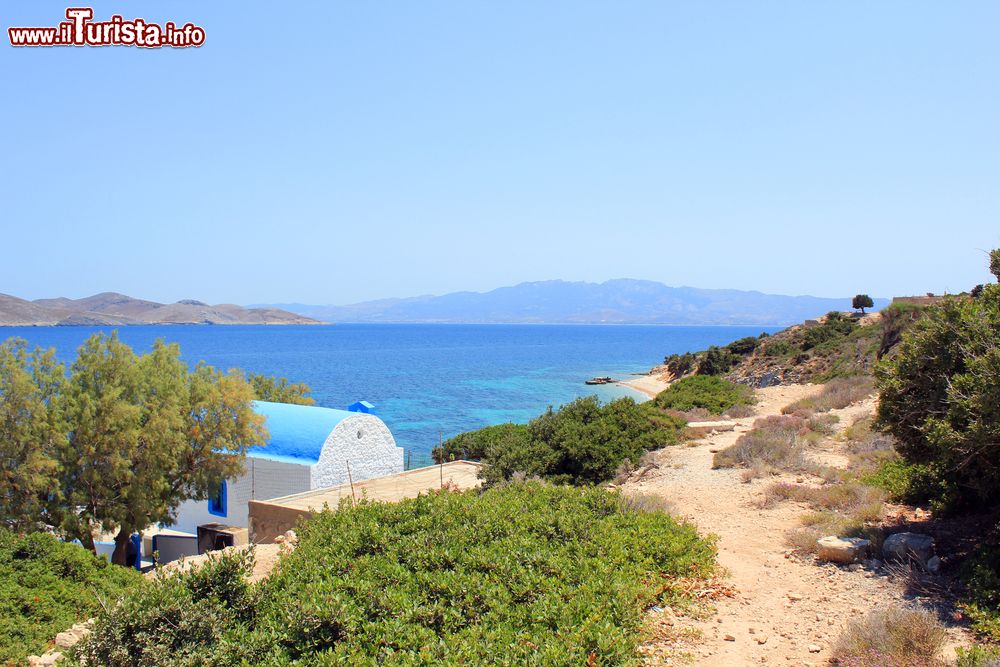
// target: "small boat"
[[601, 380]]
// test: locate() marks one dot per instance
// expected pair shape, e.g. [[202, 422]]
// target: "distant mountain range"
[[110, 308], [613, 302]]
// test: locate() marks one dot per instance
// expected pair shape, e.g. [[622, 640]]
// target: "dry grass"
[[773, 443], [894, 637], [739, 412], [851, 497], [693, 415], [648, 502], [868, 449], [846, 509], [836, 394]]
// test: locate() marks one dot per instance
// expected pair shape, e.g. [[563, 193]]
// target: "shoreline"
[[648, 385]]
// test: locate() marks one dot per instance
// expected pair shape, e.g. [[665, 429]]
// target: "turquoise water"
[[427, 381]]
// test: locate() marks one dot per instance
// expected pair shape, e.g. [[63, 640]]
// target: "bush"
[[716, 361], [981, 576], [46, 586], [583, 442], [177, 619], [904, 482], [475, 445], [835, 327], [895, 320], [777, 348], [680, 365], [940, 396], [743, 346], [524, 574], [893, 637], [710, 393], [978, 656]]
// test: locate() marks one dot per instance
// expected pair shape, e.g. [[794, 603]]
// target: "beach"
[[650, 385]]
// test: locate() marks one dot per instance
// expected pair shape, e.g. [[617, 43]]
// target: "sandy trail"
[[785, 611]]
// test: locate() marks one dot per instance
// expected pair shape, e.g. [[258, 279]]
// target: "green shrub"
[[680, 365], [582, 442], [835, 327], [701, 391], [940, 396], [894, 321], [777, 348], [176, 619], [743, 346], [904, 482], [981, 576], [716, 361], [46, 586], [526, 574], [978, 656], [475, 445]]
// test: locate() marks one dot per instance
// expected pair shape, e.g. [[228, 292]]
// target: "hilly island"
[[111, 308]]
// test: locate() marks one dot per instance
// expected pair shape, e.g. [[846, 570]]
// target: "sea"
[[428, 381]]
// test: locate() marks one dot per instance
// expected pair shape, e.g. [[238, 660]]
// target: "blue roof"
[[297, 432]]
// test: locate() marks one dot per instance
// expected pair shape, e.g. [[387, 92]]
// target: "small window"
[[217, 503]]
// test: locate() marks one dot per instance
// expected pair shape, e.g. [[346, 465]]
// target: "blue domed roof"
[[297, 432]]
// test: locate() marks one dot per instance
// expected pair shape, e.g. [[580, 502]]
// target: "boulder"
[[909, 547], [933, 564], [841, 549]]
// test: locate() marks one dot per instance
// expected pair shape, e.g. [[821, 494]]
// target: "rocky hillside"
[[834, 345], [110, 308]]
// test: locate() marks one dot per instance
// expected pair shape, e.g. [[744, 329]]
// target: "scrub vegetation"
[[46, 586], [585, 442], [526, 574]]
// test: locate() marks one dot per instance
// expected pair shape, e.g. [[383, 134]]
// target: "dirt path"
[[784, 611]]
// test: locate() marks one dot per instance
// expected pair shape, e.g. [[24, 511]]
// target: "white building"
[[309, 448]]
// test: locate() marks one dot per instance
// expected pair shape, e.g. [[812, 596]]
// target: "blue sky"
[[331, 152]]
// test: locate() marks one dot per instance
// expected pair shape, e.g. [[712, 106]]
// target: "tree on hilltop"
[[862, 301]]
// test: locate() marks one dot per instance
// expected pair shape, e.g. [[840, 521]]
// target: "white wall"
[[364, 441], [262, 479]]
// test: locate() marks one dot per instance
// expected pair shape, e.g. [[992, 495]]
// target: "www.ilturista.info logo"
[[81, 30]]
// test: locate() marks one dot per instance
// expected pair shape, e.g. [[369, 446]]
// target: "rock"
[[933, 565], [729, 638], [794, 597], [67, 639], [814, 649], [841, 549], [909, 546]]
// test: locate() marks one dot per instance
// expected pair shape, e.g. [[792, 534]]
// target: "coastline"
[[649, 385]]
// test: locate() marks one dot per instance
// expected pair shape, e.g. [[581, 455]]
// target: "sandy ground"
[[650, 385], [784, 610]]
